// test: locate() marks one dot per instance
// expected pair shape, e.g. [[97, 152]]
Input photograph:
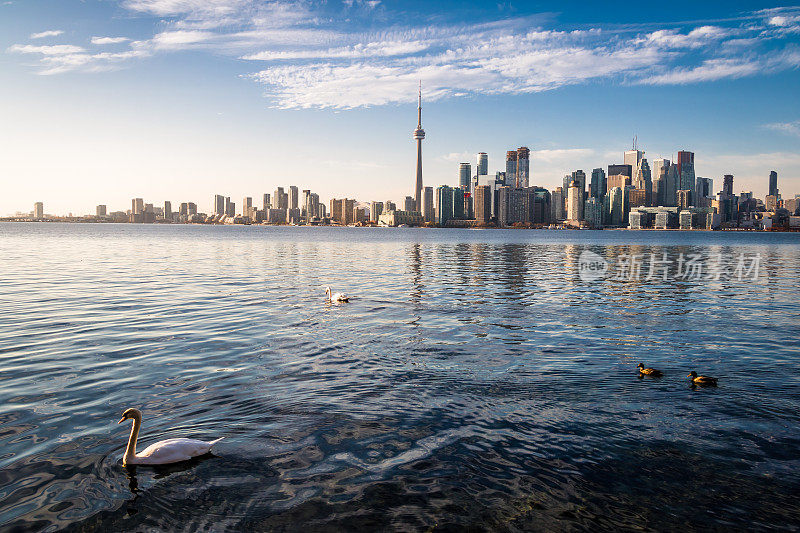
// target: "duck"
[[336, 296], [702, 380], [162, 452], [649, 371]]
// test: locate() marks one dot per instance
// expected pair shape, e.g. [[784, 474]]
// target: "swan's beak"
[[121, 420]]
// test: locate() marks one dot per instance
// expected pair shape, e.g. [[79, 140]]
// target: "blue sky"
[[102, 101]]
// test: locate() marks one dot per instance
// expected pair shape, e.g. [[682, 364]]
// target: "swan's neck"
[[130, 451]]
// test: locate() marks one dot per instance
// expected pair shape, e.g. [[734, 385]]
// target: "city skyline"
[[151, 98]]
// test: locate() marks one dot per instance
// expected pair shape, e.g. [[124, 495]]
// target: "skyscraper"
[[419, 134], [428, 208], [659, 176], [464, 174], [727, 185], [168, 210], [444, 204], [523, 166], [686, 177], [483, 164], [574, 201], [511, 168], [597, 187], [410, 204], [219, 204], [634, 159], [101, 210], [375, 210], [483, 203], [294, 197], [266, 201], [38, 210], [247, 207], [773, 183]]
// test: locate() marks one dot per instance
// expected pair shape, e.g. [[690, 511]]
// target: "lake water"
[[475, 379]]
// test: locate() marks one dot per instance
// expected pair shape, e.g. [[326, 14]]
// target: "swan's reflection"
[[159, 472]]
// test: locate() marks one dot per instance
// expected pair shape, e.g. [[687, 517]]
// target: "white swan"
[[163, 452], [336, 296]]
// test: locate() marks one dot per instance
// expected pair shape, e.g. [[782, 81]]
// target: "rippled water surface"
[[473, 381]]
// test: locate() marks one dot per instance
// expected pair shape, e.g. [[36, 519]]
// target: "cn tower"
[[419, 134]]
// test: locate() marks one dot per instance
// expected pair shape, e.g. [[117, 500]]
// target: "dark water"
[[475, 381]]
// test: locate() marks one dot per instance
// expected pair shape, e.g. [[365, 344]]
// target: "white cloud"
[[109, 40], [311, 59], [696, 38], [791, 128], [728, 68], [48, 33], [51, 50]]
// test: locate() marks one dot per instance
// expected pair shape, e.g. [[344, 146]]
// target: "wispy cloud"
[[790, 128], [109, 40], [310, 56], [48, 33]]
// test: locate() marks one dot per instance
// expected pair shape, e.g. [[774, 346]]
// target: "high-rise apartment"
[[523, 166], [597, 187], [483, 164], [773, 183], [464, 175]]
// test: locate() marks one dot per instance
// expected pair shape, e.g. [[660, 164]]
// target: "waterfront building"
[[388, 205], [459, 213], [293, 197], [247, 208], [410, 204], [275, 216], [100, 211], [574, 202], [38, 210], [230, 207], [771, 203], [419, 135], [615, 205], [168, 210], [396, 218], [137, 206], [483, 204], [464, 174], [559, 212], [266, 201], [593, 212], [428, 206], [375, 210], [597, 186], [444, 204], [184, 209], [191, 208], [219, 204]]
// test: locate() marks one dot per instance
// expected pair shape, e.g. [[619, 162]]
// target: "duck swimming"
[[163, 452], [649, 371], [702, 380]]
